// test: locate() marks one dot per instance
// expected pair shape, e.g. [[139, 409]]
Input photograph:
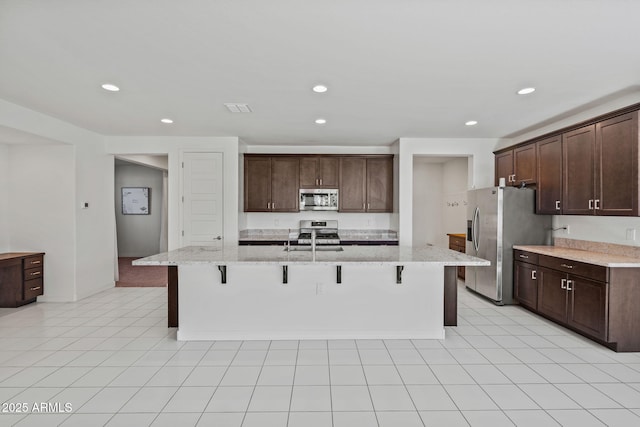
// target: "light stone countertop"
[[276, 255], [596, 258]]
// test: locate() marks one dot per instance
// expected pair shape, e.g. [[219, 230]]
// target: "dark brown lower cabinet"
[[21, 278], [599, 302], [525, 284]]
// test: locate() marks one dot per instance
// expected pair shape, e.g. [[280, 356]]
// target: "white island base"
[[255, 304]]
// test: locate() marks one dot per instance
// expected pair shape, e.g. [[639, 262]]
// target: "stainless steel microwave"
[[318, 199]]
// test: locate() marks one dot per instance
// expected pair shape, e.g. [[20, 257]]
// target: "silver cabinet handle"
[[563, 284], [566, 266], [368, 206], [35, 273], [533, 275], [34, 262], [569, 282], [597, 204], [363, 206], [320, 181], [557, 205], [35, 288], [590, 204], [273, 205], [514, 177], [524, 256], [317, 181]]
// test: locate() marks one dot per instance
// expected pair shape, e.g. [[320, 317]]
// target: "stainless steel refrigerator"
[[497, 219]]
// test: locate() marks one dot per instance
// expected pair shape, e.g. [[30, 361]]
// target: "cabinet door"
[[617, 166], [308, 172], [328, 171], [353, 175], [549, 187], [380, 184], [578, 152], [257, 184], [504, 167], [524, 165], [10, 282], [526, 284], [552, 294], [587, 306], [285, 172]]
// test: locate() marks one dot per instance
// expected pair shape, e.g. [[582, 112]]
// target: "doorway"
[[144, 232], [439, 199]]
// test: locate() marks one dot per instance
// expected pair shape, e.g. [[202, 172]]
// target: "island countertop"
[[277, 255]]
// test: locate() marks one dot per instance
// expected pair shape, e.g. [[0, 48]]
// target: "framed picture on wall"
[[135, 200]]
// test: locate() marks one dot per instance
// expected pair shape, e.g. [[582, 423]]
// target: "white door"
[[202, 206]]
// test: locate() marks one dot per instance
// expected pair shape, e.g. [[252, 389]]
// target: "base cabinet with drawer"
[[21, 278], [596, 301], [458, 242]]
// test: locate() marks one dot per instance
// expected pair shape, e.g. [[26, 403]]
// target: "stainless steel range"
[[326, 232]]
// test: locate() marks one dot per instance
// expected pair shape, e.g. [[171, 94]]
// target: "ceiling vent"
[[238, 108]]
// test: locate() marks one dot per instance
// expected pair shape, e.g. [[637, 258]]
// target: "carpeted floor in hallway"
[[140, 276]]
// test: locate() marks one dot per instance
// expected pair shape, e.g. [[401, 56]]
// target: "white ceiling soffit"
[[405, 68], [150, 160], [16, 137]]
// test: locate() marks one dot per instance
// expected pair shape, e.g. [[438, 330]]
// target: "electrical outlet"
[[631, 234]]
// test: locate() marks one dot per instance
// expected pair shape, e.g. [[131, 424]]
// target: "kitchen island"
[[268, 292]]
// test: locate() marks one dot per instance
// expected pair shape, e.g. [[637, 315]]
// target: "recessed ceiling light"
[[526, 90], [167, 121], [110, 87], [321, 121], [320, 88], [471, 123]]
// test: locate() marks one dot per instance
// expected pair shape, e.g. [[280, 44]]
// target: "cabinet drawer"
[[524, 256], [32, 273], [33, 261], [33, 288], [594, 272]]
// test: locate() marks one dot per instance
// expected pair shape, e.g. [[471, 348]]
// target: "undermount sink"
[[318, 248]]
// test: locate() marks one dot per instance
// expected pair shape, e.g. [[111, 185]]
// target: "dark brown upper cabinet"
[[517, 166], [319, 172], [616, 168], [549, 186], [592, 169], [578, 154], [366, 184], [271, 184]]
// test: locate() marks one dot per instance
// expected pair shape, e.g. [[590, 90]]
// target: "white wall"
[[427, 202], [454, 204], [94, 226], [174, 148], [4, 198], [353, 221], [79, 242], [480, 170], [138, 235], [42, 212]]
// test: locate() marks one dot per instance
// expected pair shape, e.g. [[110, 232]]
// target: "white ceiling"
[[401, 68]]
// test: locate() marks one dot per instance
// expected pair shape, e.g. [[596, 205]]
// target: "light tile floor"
[[112, 359]]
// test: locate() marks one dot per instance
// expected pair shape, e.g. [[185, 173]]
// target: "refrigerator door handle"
[[474, 228]]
